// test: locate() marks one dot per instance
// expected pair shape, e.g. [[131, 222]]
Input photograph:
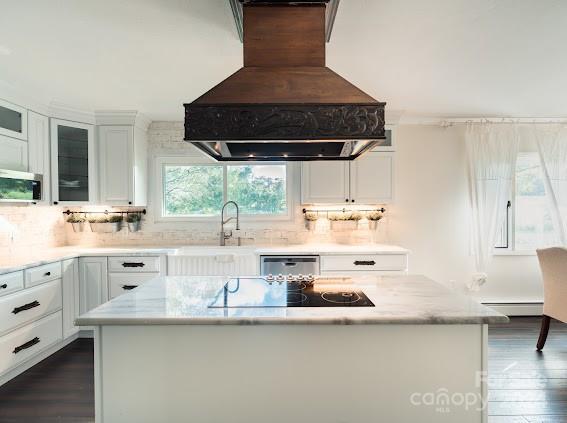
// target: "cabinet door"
[[93, 282], [14, 154], [73, 163], [371, 178], [13, 120], [324, 182], [70, 282], [116, 153], [38, 150]]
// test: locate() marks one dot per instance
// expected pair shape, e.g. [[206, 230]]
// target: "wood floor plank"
[[524, 386]]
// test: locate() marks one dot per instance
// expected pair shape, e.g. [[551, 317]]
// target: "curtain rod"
[[457, 121]]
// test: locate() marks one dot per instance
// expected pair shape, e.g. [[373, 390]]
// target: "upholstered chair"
[[553, 264]]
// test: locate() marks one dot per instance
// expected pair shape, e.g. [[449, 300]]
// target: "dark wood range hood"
[[284, 104]]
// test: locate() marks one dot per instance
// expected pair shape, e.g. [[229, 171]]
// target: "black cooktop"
[[258, 292]]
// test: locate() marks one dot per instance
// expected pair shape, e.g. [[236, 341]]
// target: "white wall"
[[431, 217]]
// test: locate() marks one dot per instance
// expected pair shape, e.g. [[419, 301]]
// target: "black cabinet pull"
[[47, 274], [25, 307], [132, 264], [26, 345], [352, 201], [346, 199], [129, 287], [4, 286], [364, 263]]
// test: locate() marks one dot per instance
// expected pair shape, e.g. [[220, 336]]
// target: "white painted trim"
[[69, 113], [36, 359], [12, 95], [517, 309], [157, 200], [122, 117], [416, 119]]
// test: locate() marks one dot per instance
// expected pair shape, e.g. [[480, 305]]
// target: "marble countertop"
[[16, 262], [328, 249], [408, 299]]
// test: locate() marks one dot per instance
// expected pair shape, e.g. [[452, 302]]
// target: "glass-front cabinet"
[[73, 162], [13, 120]]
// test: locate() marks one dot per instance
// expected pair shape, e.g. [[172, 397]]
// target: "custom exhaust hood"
[[284, 104]]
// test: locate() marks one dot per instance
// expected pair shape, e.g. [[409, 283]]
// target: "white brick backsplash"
[[37, 227], [32, 227]]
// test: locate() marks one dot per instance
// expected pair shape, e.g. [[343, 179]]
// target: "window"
[[197, 190], [529, 223]]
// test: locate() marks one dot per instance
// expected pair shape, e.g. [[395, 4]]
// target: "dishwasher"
[[285, 265]]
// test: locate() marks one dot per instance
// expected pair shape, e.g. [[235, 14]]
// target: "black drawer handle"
[[364, 263], [133, 264], [26, 345], [47, 274], [4, 286], [25, 307], [129, 287]]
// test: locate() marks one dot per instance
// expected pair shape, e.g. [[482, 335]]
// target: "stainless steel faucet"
[[227, 235]]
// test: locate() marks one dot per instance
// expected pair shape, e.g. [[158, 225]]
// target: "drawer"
[[364, 262], [24, 343], [11, 282], [134, 264], [28, 305], [41, 274], [119, 283]]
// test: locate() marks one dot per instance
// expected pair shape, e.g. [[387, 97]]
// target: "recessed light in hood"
[[284, 104]]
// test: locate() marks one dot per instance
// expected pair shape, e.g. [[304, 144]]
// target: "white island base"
[[310, 373]]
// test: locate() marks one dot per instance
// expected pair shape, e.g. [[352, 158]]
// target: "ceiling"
[[436, 58]]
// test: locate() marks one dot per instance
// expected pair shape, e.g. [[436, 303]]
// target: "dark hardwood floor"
[[524, 385], [60, 389]]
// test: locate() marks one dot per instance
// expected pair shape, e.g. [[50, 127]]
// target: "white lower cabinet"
[[70, 285], [93, 279], [22, 344], [364, 264], [28, 305], [11, 282], [120, 283]]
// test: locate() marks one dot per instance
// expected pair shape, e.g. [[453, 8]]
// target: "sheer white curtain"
[[492, 149], [552, 145]]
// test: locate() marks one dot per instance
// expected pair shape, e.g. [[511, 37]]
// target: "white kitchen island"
[[162, 355]]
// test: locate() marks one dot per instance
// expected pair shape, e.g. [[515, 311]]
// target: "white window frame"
[[162, 161], [511, 250]]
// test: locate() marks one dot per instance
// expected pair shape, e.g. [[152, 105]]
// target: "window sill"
[[515, 253]]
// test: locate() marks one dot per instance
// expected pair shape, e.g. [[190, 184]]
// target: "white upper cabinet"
[[13, 154], [366, 180], [123, 165], [38, 150], [389, 144], [325, 182], [13, 120], [73, 163], [371, 178]]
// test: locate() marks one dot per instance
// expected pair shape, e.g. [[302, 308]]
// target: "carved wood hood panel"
[[284, 97]]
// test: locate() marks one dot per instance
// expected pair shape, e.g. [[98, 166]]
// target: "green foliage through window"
[[198, 190]]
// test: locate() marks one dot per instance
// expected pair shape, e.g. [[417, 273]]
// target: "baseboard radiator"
[[517, 309]]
